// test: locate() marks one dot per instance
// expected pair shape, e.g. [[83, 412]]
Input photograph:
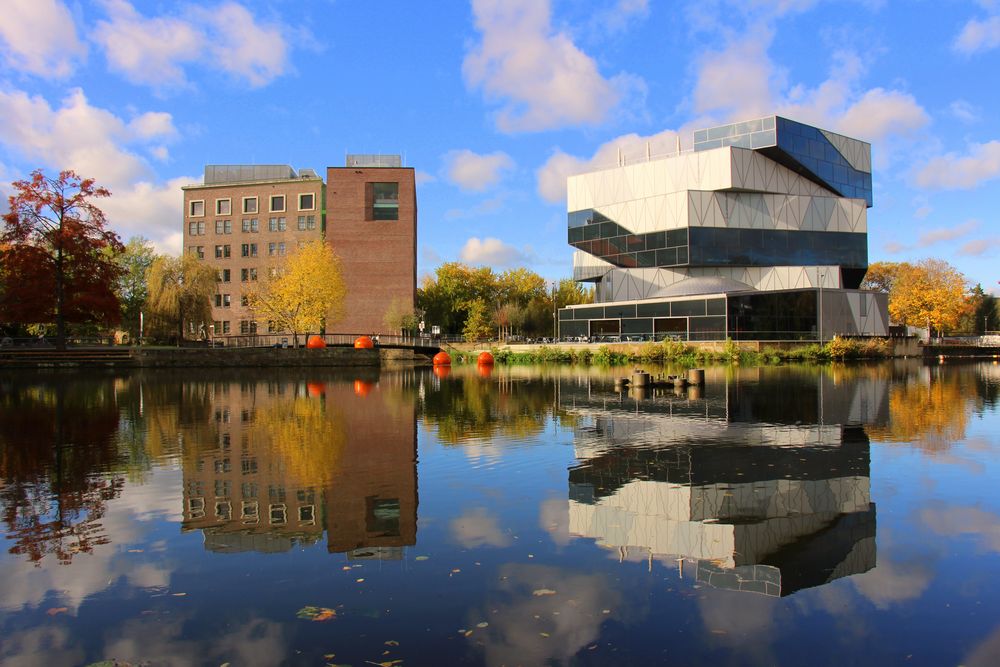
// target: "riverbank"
[[169, 357], [691, 353]]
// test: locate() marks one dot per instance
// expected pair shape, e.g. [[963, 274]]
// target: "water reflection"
[[285, 462], [764, 482]]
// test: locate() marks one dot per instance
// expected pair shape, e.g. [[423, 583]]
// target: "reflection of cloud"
[[53, 642], [476, 528], [986, 653], [953, 521], [159, 642], [570, 618], [892, 582], [738, 619], [24, 585], [553, 516]]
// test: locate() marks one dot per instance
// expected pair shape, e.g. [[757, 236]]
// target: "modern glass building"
[[759, 233]]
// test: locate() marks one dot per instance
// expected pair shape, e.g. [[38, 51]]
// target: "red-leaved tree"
[[55, 260]]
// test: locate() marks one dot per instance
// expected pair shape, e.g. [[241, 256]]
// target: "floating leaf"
[[543, 591], [422, 557], [57, 610], [544, 634], [360, 580], [482, 625], [311, 613], [178, 595], [392, 642]]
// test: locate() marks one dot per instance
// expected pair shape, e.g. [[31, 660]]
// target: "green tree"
[[305, 291], [400, 318], [477, 324], [180, 291], [131, 286]]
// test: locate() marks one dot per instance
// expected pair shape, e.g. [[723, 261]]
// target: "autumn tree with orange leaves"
[[930, 293], [55, 258]]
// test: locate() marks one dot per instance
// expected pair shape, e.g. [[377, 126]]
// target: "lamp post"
[[555, 309], [820, 314]]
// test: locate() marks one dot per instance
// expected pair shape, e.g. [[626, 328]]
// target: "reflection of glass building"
[[284, 462], [760, 233], [760, 503]]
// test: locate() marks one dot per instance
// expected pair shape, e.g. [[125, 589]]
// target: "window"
[[223, 226], [223, 206], [196, 228], [384, 200], [198, 250], [307, 202], [251, 225], [306, 222], [201, 228], [248, 327], [222, 327], [244, 300], [249, 204], [253, 249], [281, 248], [245, 250], [196, 209], [223, 276], [271, 249], [218, 252], [225, 326], [276, 224], [277, 203], [248, 274]]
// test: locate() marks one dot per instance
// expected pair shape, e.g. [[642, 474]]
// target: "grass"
[[688, 355]]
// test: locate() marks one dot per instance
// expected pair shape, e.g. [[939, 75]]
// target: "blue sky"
[[494, 102]]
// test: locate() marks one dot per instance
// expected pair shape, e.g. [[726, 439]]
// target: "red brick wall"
[[378, 257]]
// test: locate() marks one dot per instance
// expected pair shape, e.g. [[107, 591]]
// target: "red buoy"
[[315, 343], [442, 358], [441, 372], [485, 359], [363, 343], [362, 388]]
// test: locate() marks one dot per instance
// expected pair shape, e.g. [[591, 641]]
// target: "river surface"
[[525, 516]]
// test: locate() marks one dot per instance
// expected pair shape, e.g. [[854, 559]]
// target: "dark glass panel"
[[652, 309], [637, 326], [635, 243], [695, 307], [773, 316], [716, 306], [671, 325], [591, 232], [565, 314], [620, 311], [682, 255], [571, 328], [605, 327], [707, 328], [666, 257], [588, 313], [677, 237], [646, 259], [575, 234], [656, 240]]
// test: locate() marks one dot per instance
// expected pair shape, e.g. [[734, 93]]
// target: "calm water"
[[840, 515]]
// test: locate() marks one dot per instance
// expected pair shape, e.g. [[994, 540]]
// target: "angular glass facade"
[[802, 148], [600, 236], [720, 246]]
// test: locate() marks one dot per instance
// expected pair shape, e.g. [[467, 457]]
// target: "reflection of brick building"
[[259, 485]]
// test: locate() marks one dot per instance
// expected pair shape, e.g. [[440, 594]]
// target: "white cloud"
[[422, 177], [953, 172], [540, 76], [946, 233], [155, 51], [471, 171], [485, 207], [98, 144], [551, 176], [979, 36], [739, 82], [491, 252], [618, 17], [965, 111], [39, 37], [892, 582], [978, 247]]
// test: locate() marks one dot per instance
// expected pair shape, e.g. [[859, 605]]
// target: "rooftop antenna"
[[648, 157], [678, 138]]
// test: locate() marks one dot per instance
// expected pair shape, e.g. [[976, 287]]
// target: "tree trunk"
[[60, 294]]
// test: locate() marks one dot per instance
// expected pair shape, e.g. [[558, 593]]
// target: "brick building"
[[244, 220]]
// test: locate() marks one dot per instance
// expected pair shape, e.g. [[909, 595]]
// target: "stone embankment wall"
[[254, 357]]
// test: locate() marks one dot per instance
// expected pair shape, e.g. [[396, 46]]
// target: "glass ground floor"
[[805, 314]]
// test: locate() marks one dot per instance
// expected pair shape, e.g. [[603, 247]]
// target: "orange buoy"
[[315, 389], [315, 343], [485, 370], [442, 358], [485, 359], [361, 388], [363, 343], [441, 372]]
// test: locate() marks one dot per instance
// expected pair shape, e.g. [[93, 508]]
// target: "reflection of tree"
[[464, 408], [57, 448], [306, 434], [931, 412]]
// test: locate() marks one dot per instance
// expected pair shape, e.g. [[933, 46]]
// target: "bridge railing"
[[284, 340]]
